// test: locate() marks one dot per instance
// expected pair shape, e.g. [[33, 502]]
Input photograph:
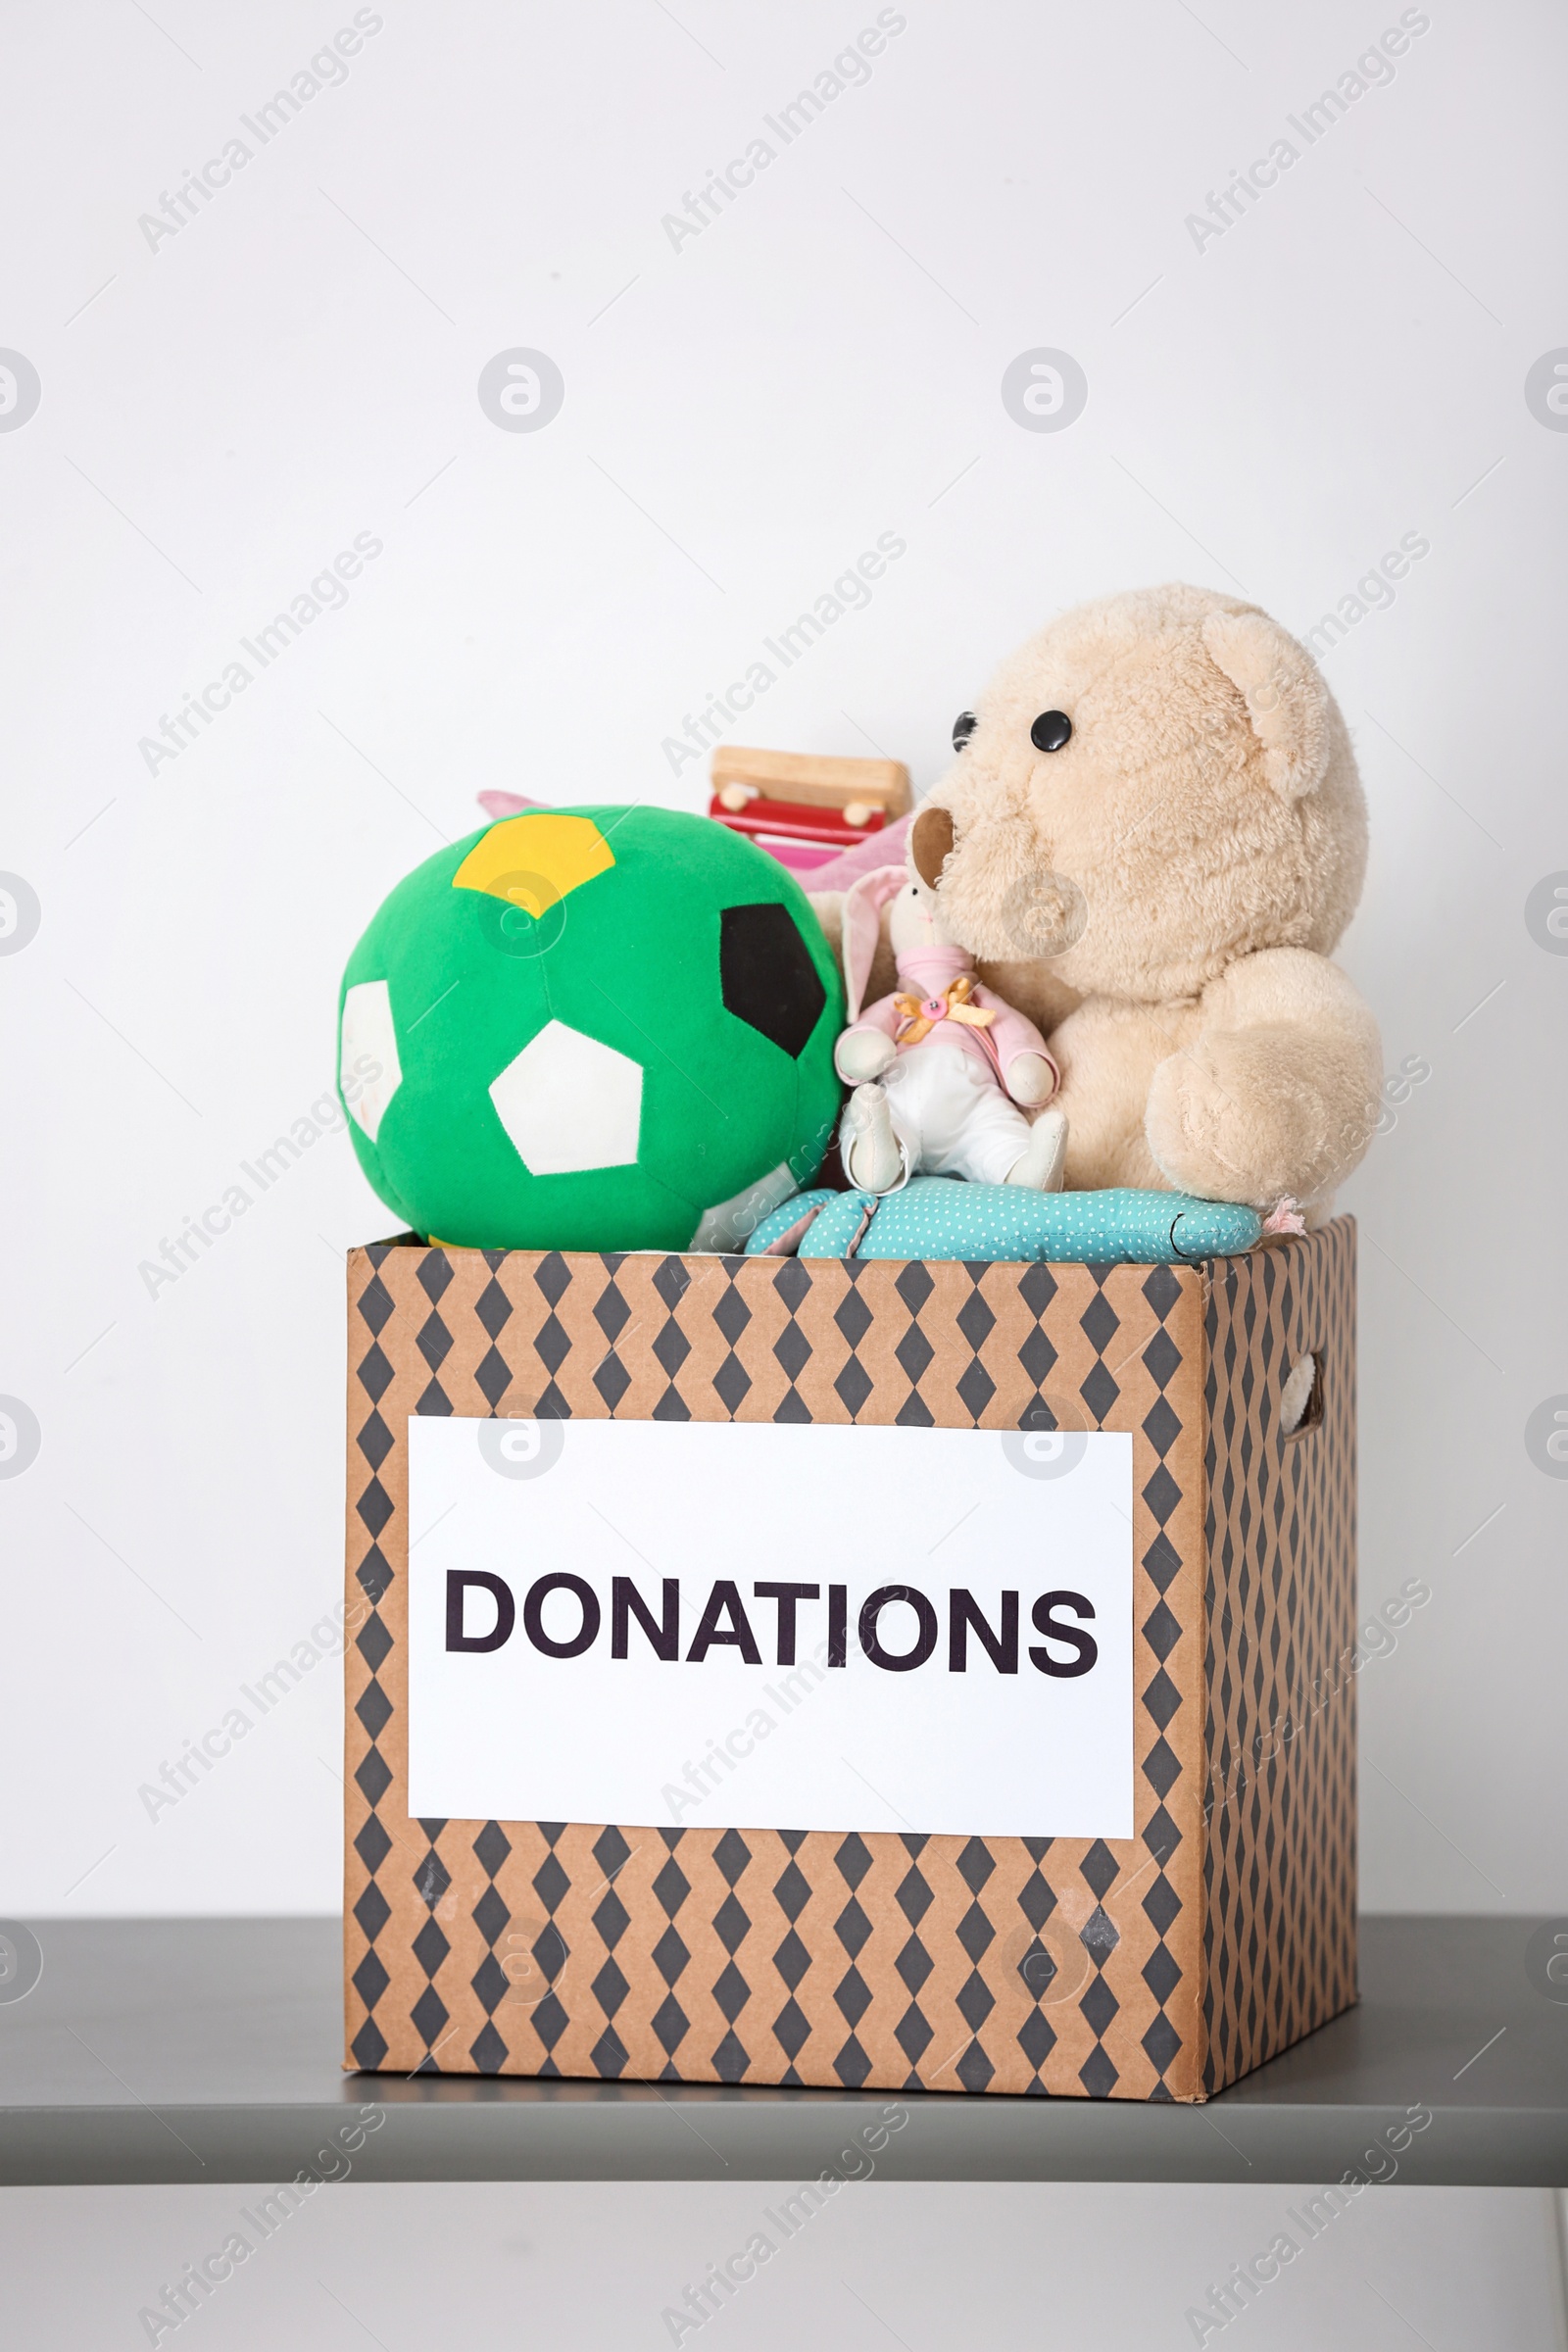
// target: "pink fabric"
[[497, 804], [1285, 1217], [801, 857], [865, 858], [926, 972]]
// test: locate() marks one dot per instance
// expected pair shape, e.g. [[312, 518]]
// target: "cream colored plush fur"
[[1161, 895]]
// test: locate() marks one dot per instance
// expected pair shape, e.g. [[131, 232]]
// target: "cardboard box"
[[1159, 1964]]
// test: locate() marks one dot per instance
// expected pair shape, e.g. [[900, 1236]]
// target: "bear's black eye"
[[1051, 731], [963, 726]]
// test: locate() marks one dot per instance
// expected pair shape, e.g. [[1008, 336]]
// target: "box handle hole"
[[1301, 1398]]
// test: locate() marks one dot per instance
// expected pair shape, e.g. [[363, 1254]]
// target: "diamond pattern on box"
[[1279, 1860], [1159, 1967]]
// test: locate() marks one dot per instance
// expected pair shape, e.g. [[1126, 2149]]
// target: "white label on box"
[[751, 1626]]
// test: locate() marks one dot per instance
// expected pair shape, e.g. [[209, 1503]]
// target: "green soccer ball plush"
[[591, 1029]]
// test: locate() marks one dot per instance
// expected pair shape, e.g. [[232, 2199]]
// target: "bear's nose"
[[1051, 731]]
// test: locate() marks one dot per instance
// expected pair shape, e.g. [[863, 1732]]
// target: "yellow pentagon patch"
[[535, 859]]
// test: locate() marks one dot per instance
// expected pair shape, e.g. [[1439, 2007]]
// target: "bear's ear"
[[930, 840], [1286, 700]]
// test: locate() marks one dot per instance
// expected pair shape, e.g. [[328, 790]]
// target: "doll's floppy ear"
[[864, 902], [1286, 699]]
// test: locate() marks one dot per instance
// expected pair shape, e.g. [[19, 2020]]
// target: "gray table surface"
[[158, 2050]]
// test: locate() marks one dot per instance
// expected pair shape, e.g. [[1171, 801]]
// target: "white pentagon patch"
[[568, 1102], [730, 1224], [368, 1043]]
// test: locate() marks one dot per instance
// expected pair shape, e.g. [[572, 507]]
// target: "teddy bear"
[[1150, 841], [943, 1069]]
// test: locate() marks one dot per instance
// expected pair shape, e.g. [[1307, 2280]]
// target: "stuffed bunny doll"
[[943, 1070]]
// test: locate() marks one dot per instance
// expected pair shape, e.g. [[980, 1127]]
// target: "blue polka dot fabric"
[[940, 1216]]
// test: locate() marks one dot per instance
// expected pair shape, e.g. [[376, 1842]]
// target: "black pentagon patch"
[[766, 976]]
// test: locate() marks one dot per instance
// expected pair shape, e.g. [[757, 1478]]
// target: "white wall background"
[[223, 414]]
